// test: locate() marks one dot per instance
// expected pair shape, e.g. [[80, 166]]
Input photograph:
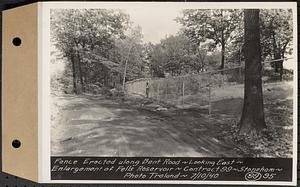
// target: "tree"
[[131, 50], [252, 119], [85, 36], [176, 49], [216, 25], [277, 35], [156, 59], [176, 55], [198, 57]]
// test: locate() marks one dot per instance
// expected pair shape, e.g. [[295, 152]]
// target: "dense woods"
[[98, 44]]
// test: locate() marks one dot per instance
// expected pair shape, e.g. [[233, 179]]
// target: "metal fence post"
[[209, 99], [183, 93], [157, 94], [209, 95]]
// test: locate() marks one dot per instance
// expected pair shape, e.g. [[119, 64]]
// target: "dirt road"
[[95, 126]]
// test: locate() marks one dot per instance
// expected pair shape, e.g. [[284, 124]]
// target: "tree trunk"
[[281, 68], [80, 72], [202, 60], [222, 48], [278, 64], [252, 119], [222, 53], [74, 74], [223, 58]]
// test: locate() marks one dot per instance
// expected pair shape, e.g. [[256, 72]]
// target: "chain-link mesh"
[[203, 89]]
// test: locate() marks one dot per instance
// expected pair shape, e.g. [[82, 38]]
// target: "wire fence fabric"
[[198, 90]]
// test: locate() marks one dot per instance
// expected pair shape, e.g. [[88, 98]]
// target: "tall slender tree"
[[252, 119], [217, 25], [277, 35], [83, 34]]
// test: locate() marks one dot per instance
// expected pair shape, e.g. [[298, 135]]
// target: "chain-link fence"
[[200, 90]]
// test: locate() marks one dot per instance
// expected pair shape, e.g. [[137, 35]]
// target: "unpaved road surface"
[[88, 125], [97, 126]]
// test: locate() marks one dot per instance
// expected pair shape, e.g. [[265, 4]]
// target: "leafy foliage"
[[216, 25], [276, 32], [85, 37], [131, 49], [98, 43], [177, 55]]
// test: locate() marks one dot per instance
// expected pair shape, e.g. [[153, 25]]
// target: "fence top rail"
[[207, 72], [235, 67]]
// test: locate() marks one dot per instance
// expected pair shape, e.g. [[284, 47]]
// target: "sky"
[[156, 21]]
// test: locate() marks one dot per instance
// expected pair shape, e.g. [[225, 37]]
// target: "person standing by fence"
[[147, 89]]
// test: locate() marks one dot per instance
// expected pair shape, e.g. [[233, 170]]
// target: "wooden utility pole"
[[126, 62]]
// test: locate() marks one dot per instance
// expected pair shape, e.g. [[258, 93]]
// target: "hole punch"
[[16, 144], [17, 41]]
